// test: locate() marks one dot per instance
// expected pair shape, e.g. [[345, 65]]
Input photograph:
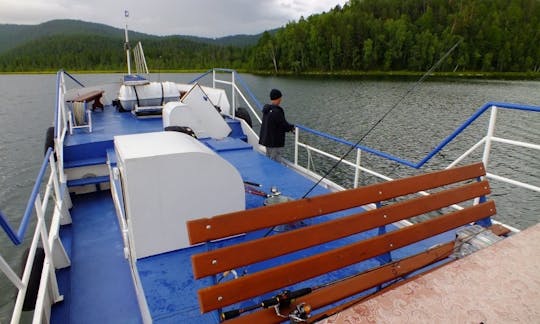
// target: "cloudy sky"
[[208, 18]]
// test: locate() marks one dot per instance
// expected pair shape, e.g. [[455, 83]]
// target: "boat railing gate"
[[450, 186], [238, 87], [55, 256], [486, 141]]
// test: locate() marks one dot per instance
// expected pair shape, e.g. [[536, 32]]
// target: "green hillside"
[[12, 36]]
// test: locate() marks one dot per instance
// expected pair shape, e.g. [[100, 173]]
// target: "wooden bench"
[[452, 186], [94, 96]]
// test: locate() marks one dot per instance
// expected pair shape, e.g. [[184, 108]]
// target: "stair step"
[[85, 162], [236, 129], [87, 181]]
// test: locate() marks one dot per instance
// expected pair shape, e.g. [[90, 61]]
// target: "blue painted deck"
[[98, 287]]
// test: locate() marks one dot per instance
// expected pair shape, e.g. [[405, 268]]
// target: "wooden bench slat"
[[206, 229], [221, 295], [352, 286], [238, 255]]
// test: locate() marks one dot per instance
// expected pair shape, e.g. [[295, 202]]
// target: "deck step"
[[236, 129], [85, 162], [87, 181]]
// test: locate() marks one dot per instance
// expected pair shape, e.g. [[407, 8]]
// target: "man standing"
[[274, 126]]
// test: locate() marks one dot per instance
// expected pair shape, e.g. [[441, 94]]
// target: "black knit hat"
[[275, 94]]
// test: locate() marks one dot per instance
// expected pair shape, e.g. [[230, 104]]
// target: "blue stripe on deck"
[[101, 289]]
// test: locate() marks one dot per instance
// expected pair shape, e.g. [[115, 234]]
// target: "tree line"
[[363, 35], [383, 35]]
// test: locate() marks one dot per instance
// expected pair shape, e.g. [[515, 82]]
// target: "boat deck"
[[98, 286], [479, 288]]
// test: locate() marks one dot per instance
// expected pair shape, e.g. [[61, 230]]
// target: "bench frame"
[[453, 186]]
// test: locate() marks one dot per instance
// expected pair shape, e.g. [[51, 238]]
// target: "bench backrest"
[[453, 187]]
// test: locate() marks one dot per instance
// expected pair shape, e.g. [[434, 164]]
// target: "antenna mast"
[[126, 44]]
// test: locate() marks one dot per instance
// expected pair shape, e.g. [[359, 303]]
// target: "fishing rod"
[[248, 187], [302, 311], [283, 299], [411, 89], [255, 192]]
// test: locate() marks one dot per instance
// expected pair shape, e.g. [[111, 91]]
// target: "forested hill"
[[79, 45], [495, 35], [12, 36], [363, 35]]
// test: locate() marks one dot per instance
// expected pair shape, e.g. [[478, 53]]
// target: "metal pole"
[[126, 13], [489, 136], [296, 139], [357, 167], [233, 91], [10, 274]]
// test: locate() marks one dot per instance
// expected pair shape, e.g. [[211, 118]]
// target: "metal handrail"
[[236, 80], [18, 237], [486, 141], [48, 286], [55, 188]]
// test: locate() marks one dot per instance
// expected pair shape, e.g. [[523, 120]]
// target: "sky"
[[206, 18]]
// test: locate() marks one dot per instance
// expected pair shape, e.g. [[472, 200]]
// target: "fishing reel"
[[284, 299], [280, 301], [300, 314]]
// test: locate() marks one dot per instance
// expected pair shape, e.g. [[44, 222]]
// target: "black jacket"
[[273, 127]]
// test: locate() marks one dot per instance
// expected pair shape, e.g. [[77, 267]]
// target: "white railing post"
[[10, 274], [61, 201], [214, 78], [357, 167], [296, 139], [233, 94], [17, 309], [46, 248], [489, 136]]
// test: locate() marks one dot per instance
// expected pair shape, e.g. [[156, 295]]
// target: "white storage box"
[[167, 179]]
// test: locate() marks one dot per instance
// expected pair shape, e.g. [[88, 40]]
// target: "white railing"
[[485, 142], [55, 190], [55, 255], [235, 90]]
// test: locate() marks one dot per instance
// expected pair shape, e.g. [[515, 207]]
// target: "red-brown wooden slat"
[[221, 295], [206, 229], [232, 257], [352, 286]]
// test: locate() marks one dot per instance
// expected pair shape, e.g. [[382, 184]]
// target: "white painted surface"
[[197, 111], [167, 179]]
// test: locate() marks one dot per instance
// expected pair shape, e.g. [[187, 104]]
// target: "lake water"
[[341, 107]]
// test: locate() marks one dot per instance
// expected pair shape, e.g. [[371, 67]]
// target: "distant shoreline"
[[531, 76]]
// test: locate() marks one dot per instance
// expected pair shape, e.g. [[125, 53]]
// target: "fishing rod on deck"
[[284, 299], [411, 89]]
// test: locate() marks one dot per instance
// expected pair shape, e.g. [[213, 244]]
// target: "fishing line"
[[411, 89]]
